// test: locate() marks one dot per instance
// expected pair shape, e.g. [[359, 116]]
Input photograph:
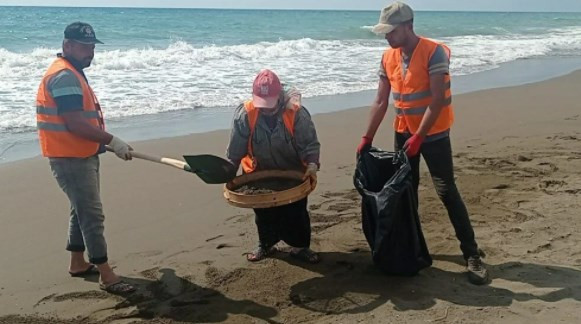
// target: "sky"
[[447, 5]]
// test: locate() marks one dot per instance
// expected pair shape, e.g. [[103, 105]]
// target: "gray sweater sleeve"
[[305, 135], [238, 146]]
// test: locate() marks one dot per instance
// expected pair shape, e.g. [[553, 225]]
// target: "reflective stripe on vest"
[[54, 137], [418, 110], [248, 162], [416, 96], [433, 137], [412, 95], [52, 127], [54, 112]]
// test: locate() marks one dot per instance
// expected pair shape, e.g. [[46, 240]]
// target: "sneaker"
[[477, 273]]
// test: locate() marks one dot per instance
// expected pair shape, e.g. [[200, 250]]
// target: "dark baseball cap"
[[82, 33]]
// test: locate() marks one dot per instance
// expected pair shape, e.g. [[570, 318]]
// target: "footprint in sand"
[[219, 278], [342, 206], [151, 273], [322, 218], [145, 254], [541, 248], [330, 194], [315, 206], [77, 295], [568, 138], [528, 214], [320, 222], [551, 184], [573, 191], [317, 228], [223, 245], [522, 158], [550, 165]]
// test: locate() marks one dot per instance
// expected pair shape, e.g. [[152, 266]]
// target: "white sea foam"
[[182, 76]]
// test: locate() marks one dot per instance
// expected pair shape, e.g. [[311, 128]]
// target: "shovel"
[[210, 168]]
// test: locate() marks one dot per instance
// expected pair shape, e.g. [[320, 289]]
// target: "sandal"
[[118, 288], [260, 254], [91, 271], [306, 255]]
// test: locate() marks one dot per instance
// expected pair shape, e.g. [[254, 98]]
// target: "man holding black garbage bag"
[[416, 71]]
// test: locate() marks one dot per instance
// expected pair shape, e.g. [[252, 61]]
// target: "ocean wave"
[[475, 53], [142, 81], [566, 19]]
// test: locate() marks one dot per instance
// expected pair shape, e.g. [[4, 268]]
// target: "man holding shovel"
[[274, 132], [72, 135]]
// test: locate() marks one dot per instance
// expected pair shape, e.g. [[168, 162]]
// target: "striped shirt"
[[439, 63], [66, 90]]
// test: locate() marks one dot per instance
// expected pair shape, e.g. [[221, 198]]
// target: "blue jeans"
[[79, 179]]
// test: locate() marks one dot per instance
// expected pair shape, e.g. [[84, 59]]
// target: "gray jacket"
[[274, 149]]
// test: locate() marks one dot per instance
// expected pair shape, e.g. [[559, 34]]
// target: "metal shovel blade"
[[210, 168]]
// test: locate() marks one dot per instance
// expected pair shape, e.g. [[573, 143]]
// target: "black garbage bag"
[[389, 214]]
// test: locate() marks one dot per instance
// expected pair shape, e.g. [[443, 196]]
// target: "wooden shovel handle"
[[159, 159]]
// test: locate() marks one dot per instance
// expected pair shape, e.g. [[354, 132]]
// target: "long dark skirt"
[[290, 223]]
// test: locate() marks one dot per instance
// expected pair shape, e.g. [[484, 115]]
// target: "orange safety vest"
[[412, 94], [249, 162], [55, 139]]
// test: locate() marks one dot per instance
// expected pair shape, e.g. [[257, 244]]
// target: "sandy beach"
[[517, 157]]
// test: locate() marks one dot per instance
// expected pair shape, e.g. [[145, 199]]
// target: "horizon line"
[[276, 9]]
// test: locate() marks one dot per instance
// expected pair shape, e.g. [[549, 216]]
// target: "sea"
[[170, 72]]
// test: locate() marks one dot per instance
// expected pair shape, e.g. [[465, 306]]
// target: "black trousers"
[[438, 157], [290, 223]]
